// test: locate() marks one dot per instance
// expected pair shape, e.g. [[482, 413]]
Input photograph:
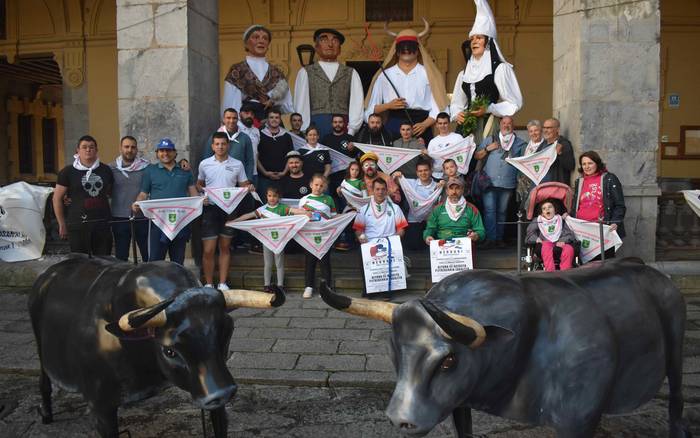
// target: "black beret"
[[340, 36]]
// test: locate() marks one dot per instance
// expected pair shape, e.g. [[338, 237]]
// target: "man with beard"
[[246, 124], [327, 87], [295, 185], [368, 162], [128, 170], [410, 88], [240, 146], [254, 80], [374, 132], [565, 162], [340, 141], [455, 217], [275, 142]]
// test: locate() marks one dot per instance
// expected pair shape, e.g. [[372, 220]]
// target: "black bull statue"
[[556, 349], [117, 333]]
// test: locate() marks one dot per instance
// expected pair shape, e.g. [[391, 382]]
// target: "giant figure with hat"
[[326, 87], [409, 87], [256, 81], [487, 75]]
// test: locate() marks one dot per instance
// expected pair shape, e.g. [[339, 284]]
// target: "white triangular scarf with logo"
[[318, 237], [506, 141], [274, 232], [171, 215], [353, 195], [233, 137], [531, 148], [692, 197], [461, 152], [455, 210], [79, 166], [226, 198], [339, 161], [419, 206], [313, 205], [390, 158], [537, 165], [588, 233], [138, 164], [550, 228], [264, 213]]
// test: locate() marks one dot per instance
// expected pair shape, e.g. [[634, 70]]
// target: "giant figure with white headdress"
[[256, 81], [409, 87], [487, 76]]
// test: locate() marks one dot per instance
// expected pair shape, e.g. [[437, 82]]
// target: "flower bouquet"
[[470, 120]]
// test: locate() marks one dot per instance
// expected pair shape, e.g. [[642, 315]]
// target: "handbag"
[[480, 181]]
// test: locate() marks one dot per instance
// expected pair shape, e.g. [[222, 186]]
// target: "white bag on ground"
[[22, 233]]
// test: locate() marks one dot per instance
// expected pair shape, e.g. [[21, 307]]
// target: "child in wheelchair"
[[552, 237]]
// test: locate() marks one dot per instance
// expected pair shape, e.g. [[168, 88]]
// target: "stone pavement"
[[303, 370]]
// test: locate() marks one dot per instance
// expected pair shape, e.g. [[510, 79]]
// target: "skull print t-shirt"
[[89, 196]]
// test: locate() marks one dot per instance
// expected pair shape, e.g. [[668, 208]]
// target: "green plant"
[[470, 120]]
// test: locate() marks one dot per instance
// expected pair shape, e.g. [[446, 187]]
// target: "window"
[[24, 134], [48, 127], [389, 10], [3, 20]]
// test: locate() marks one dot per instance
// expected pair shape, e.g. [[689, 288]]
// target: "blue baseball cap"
[[165, 143]]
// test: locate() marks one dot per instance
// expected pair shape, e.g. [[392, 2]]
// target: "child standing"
[[354, 182], [550, 230], [318, 206]]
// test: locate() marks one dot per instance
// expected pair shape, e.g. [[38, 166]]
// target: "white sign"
[[461, 152], [381, 256], [171, 215], [227, 198], [588, 233], [274, 233], [537, 165], [390, 158], [22, 233], [317, 237], [450, 256]]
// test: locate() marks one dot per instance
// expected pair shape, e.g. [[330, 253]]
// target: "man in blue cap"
[[162, 180]]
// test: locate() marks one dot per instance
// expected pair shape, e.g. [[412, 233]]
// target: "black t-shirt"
[[88, 196], [272, 151], [340, 144], [315, 161], [294, 188]]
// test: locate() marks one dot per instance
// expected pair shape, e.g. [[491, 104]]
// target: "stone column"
[[606, 95], [168, 72]]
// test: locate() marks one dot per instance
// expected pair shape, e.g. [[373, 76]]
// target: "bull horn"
[[380, 310], [386, 29], [426, 29], [458, 327], [153, 316], [237, 298]]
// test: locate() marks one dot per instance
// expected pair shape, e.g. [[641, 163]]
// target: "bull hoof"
[[45, 418]]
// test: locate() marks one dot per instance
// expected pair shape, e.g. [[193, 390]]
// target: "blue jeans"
[[495, 201], [160, 245], [122, 237]]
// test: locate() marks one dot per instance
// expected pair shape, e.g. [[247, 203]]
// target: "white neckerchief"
[[265, 213], [78, 165], [506, 142], [233, 137], [455, 211], [258, 66], [550, 229], [477, 70], [350, 188], [138, 164], [266, 131], [531, 147], [378, 210]]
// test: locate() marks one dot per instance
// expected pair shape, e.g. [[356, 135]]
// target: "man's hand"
[[351, 147], [251, 188], [398, 103], [63, 231], [362, 238], [479, 113], [428, 240], [421, 141], [135, 207], [441, 183], [492, 147], [206, 200], [460, 117], [419, 128], [560, 147], [396, 175], [473, 236], [613, 227]]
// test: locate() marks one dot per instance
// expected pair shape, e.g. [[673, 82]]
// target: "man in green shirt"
[[455, 217]]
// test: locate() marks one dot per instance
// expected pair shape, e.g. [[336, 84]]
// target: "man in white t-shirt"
[[443, 140], [218, 171], [379, 218]]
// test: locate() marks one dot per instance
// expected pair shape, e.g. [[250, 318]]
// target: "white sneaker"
[[223, 286], [209, 285], [308, 292]]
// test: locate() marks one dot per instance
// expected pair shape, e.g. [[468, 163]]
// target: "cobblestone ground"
[[303, 371]]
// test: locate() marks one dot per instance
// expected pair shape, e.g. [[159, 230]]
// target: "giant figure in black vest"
[[487, 74], [327, 87]]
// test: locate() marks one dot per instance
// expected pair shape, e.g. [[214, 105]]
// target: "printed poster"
[[380, 257], [448, 256]]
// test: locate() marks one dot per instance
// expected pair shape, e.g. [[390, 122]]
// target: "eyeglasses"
[[549, 127]]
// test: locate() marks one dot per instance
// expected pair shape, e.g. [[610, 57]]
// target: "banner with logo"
[[450, 256], [274, 233], [339, 161], [226, 198], [22, 232], [383, 263], [356, 201], [588, 233], [317, 237], [171, 215], [390, 158], [692, 197], [537, 165], [461, 152], [419, 206]]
